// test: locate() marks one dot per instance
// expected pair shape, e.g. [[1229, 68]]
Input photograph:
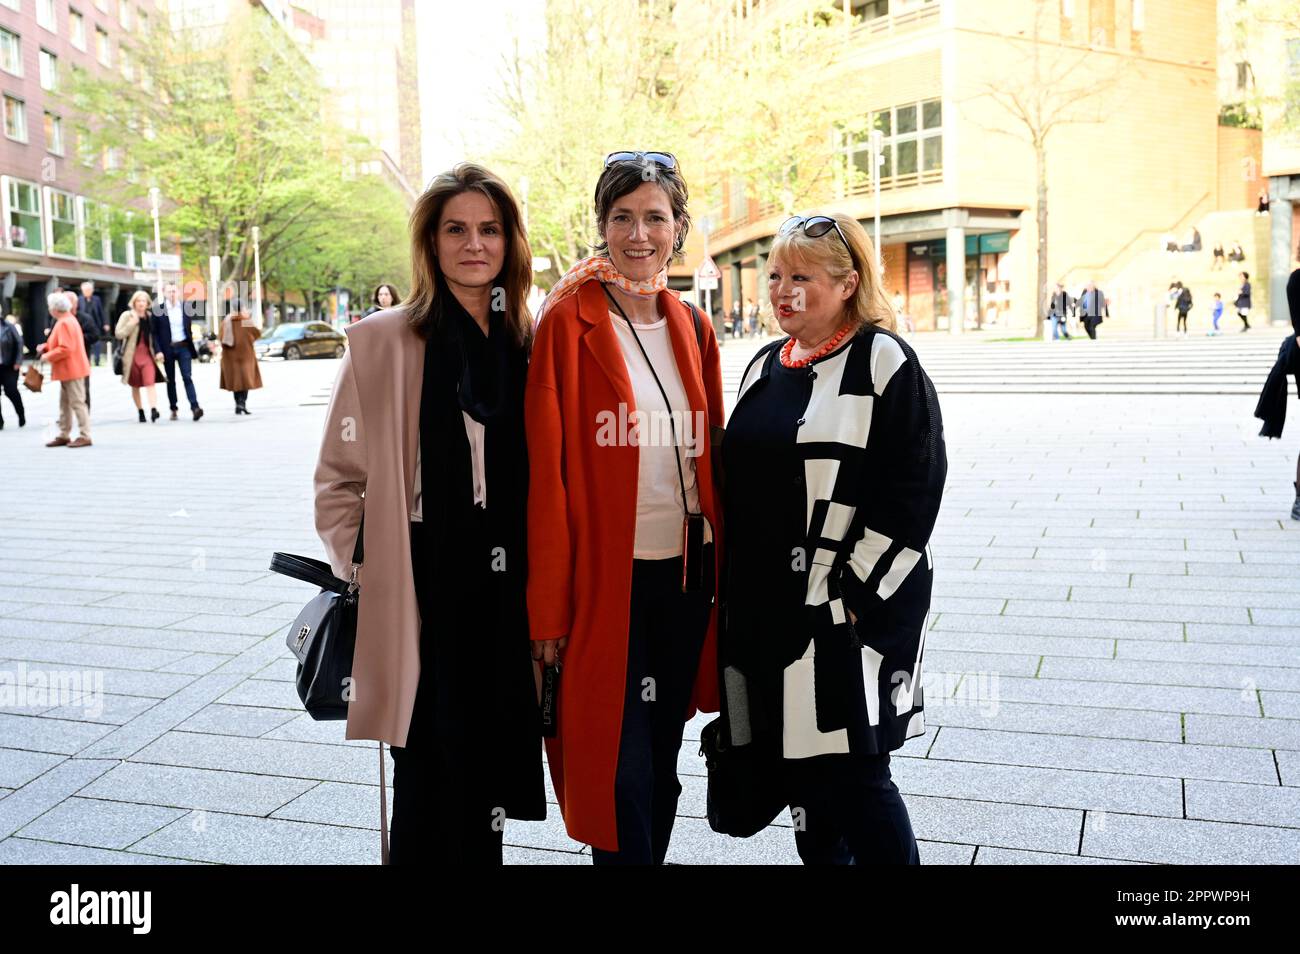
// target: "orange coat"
[[65, 350], [581, 530]]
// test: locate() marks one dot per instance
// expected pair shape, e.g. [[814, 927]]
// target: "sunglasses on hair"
[[665, 159], [814, 226]]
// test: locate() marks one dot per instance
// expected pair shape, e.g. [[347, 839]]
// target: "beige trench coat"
[[372, 432], [128, 329]]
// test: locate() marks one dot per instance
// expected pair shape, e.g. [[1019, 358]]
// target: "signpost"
[[706, 280]]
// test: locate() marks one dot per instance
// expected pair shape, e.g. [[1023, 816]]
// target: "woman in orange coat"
[[623, 515]]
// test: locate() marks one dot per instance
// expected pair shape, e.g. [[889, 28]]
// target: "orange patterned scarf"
[[602, 269]]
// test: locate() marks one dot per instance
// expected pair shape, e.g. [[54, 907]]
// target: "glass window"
[[102, 5], [906, 119], [870, 9], [906, 158], [63, 224], [15, 119], [25, 216], [103, 48], [931, 114], [95, 225], [54, 134], [49, 70], [121, 242], [124, 15], [45, 14], [13, 4], [77, 29], [11, 54], [881, 121], [931, 154]]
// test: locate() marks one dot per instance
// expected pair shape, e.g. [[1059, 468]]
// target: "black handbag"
[[118, 348], [744, 791], [324, 635]]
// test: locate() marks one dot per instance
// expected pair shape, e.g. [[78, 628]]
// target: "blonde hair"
[[868, 306], [140, 293]]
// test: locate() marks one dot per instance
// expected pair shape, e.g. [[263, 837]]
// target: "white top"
[[474, 432], [176, 316], [659, 512]]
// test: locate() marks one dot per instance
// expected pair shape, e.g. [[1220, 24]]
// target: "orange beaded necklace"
[[787, 349]]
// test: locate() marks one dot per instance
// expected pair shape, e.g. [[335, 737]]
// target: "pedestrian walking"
[[239, 370], [735, 319], [90, 312], [175, 339], [1092, 308], [441, 473], [1216, 312], [141, 358], [11, 362], [1261, 206], [385, 296], [621, 517], [65, 350], [828, 569], [1242, 303], [1182, 305], [1058, 312]]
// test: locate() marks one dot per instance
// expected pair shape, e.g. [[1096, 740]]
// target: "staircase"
[[1143, 281]]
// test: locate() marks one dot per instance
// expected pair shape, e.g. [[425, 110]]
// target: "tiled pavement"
[[1113, 666]]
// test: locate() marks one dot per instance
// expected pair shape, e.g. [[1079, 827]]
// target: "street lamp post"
[[257, 276], [154, 195], [877, 160]]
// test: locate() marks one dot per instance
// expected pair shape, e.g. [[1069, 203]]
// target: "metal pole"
[[157, 235], [877, 160], [257, 277]]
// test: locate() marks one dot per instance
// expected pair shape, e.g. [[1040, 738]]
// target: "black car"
[[292, 340]]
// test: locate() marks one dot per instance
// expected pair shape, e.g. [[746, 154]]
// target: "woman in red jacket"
[[623, 517]]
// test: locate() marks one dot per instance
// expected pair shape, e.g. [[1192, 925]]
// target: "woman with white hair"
[[141, 357]]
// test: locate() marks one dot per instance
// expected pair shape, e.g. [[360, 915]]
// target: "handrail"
[[1104, 269]]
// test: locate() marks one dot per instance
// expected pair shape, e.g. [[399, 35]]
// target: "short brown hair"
[[625, 177]]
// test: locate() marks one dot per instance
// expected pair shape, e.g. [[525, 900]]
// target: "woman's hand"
[[158, 357], [548, 650]]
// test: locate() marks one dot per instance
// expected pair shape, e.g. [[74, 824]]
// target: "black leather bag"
[[744, 790], [324, 635], [118, 348]]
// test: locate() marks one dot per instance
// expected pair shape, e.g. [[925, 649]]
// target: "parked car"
[[292, 340]]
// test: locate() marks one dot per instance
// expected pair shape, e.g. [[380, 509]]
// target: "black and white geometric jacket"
[[874, 464]]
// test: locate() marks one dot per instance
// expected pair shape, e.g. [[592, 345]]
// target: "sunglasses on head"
[[665, 159], [814, 226]]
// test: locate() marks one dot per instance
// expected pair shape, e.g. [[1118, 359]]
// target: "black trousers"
[[666, 630], [847, 810], [1182, 322], [440, 812], [1090, 326], [9, 386]]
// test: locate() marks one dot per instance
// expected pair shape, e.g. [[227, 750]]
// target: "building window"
[[54, 134], [103, 49], [101, 6], [11, 54], [1101, 25], [128, 68], [24, 214], [911, 146], [869, 9], [94, 225], [13, 4], [124, 15], [63, 223], [15, 119], [1067, 19], [45, 15], [77, 29], [142, 19], [1245, 75], [121, 243], [49, 70]]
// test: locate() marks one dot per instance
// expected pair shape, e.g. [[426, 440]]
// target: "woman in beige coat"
[[141, 361], [239, 370], [425, 431]]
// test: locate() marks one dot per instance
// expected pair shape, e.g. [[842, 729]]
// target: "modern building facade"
[[60, 228], [1135, 153]]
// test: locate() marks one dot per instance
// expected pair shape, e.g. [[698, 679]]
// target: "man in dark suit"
[[1092, 307], [90, 311], [175, 339]]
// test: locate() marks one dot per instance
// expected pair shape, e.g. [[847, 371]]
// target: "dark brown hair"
[[625, 177], [392, 290], [516, 275]]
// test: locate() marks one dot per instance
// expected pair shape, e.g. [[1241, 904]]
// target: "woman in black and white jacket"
[[828, 567]]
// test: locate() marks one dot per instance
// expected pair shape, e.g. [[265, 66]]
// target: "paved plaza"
[[1112, 672]]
